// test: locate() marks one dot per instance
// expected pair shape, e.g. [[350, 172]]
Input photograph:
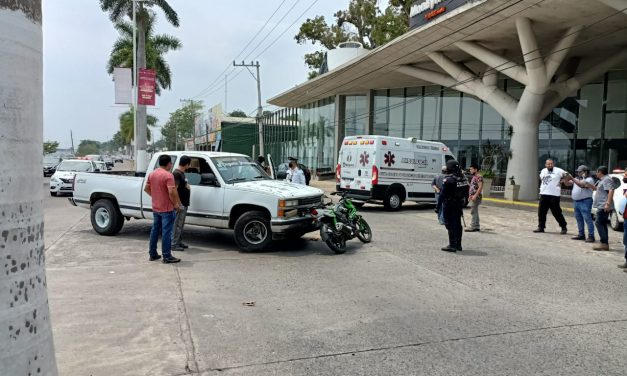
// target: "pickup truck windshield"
[[238, 169], [79, 166]]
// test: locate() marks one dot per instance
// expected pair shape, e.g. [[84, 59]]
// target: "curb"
[[521, 205]]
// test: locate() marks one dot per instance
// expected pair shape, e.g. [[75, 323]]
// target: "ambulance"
[[389, 169]]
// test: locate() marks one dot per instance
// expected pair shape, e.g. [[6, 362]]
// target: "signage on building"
[[146, 87], [424, 11]]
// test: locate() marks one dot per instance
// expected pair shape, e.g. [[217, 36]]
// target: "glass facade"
[[588, 128]]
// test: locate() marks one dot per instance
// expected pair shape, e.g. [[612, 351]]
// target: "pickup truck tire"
[[106, 219], [252, 231]]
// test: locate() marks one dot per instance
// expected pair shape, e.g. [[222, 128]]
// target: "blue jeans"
[[625, 237], [601, 222], [440, 211], [583, 214], [162, 224]]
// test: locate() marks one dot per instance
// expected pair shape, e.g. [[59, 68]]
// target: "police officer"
[[451, 200]]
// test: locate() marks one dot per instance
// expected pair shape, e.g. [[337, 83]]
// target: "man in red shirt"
[[165, 202]]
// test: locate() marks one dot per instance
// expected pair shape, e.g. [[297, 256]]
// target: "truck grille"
[[66, 180], [309, 201]]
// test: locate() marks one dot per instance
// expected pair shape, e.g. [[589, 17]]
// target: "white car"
[[616, 221], [63, 178]]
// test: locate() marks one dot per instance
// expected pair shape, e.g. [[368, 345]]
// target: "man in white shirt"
[[297, 175], [550, 194]]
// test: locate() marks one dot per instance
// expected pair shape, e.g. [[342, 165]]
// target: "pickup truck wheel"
[[614, 222], [252, 231], [106, 219]]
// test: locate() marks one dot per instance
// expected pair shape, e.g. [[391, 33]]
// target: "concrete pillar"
[[370, 110], [340, 125], [540, 96]]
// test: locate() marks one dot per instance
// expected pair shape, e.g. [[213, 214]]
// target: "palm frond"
[[170, 13]]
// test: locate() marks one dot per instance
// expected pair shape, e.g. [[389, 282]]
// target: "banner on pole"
[[123, 82], [146, 88]]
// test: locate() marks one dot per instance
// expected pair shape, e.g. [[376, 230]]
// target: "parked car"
[[50, 165], [63, 178], [108, 160], [616, 221], [229, 191], [101, 166], [118, 159], [281, 171]]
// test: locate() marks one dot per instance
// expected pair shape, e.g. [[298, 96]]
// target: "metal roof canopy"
[[489, 22]]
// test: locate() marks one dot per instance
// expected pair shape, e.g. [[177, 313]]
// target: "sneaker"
[[564, 231], [171, 260], [590, 239], [155, 258], [472, 230], [183, 245], [601, 247], [623, 266], [579, 237], [539, 229], [178, 248], [448, 248]]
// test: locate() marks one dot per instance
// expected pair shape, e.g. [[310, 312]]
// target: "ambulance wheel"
[[393, 200]]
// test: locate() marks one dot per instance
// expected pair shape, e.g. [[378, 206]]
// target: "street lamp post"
[[140, 156]]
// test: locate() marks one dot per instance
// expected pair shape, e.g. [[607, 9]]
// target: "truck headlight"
[[54, 179], [288, 203]]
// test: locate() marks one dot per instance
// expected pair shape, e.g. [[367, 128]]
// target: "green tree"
[[363, 22], [87, 147], [180, 125], [50, 147], [238, 113], [156, 48], [127, 132], [118, 9]]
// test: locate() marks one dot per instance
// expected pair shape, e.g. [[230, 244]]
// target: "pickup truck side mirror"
[[209, 179], [97, 170]]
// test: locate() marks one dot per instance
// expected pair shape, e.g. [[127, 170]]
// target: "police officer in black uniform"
[[454, 189]]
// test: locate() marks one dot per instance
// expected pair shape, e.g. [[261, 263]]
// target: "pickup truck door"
[[206, 206]]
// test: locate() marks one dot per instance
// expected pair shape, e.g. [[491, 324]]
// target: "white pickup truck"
[[228, 191]]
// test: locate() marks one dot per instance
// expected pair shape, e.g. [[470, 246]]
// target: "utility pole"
[[259, 108], [190, 102], [72, 140], [226, 82]]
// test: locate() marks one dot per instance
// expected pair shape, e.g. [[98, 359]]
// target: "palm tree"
[[156, 47], [118, 9], [126, 126], [24, 349]]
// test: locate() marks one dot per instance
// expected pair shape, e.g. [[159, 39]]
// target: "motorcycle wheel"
[[337, 244], [364, 233]]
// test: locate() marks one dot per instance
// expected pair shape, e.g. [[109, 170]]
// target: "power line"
[[243, 49]]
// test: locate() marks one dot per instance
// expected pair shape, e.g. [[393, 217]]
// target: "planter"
[[487, 186], [511, 192]]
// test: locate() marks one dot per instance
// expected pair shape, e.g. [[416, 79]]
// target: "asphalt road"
[[512, 303]]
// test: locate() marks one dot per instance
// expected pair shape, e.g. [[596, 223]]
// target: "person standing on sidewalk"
[[474, 197], [550, 194], [165, 201], [624, 266], [583, 186], [184, 192], [603, 205]]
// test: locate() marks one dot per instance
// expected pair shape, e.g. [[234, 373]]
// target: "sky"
[[78, 36]]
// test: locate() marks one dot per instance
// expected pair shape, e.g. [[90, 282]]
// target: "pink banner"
[[146, 88]]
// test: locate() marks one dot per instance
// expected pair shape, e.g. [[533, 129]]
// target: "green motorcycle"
[[341, 222]]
